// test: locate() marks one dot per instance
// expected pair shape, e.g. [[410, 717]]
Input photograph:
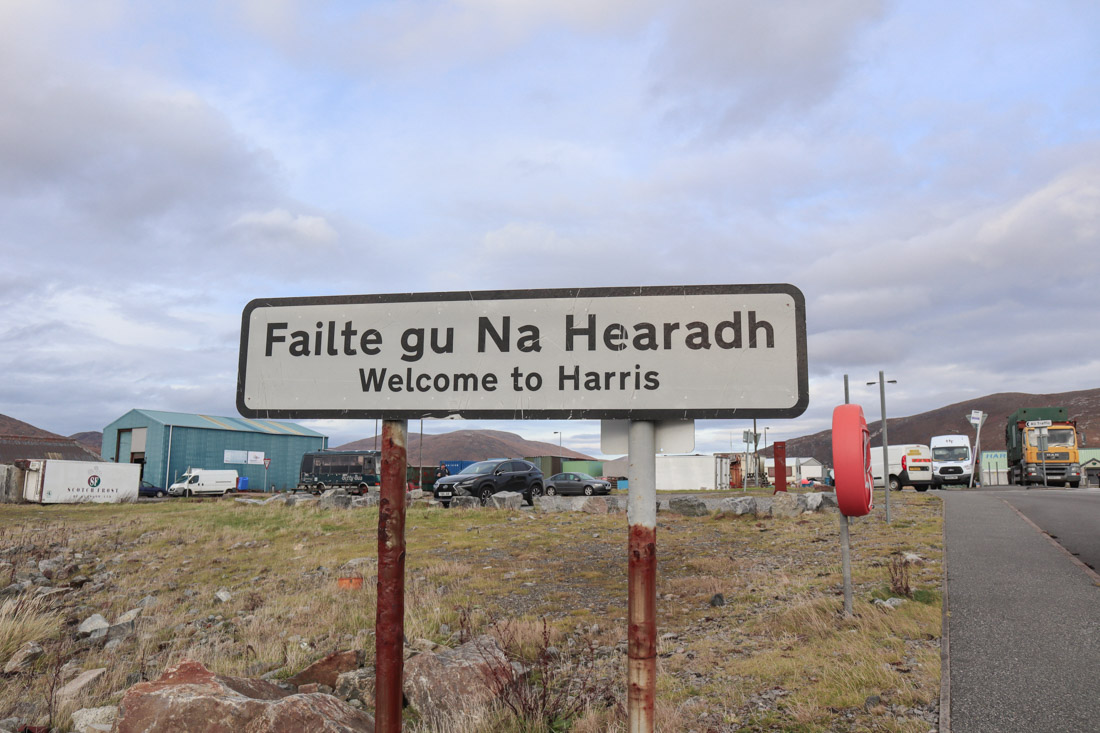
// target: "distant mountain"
[[92, 439], [1083, 406], [468, 445], [11, 426]]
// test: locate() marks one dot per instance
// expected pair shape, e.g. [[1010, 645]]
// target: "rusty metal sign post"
[[389, 624], [642, 579]]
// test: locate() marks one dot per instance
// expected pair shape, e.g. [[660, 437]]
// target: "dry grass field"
[[777, 655]]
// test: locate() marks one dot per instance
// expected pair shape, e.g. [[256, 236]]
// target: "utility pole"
[[882, 382]]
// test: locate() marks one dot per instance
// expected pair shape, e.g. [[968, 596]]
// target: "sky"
[[927, 173]]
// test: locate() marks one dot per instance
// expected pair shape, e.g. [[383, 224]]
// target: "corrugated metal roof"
[[16, 447], [211, 422]]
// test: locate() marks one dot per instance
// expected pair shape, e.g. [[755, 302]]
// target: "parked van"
[[952, 459], [199, 481], [910, 465]]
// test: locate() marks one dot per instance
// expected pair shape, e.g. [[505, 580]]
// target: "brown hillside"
[[468, 445], [91, 438], [1083, 406], [11, 426]]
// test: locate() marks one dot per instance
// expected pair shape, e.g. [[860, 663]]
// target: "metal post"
[[420, 460], [1043, 445], [642, 579], [885, 445], [389, 624], [755, 455], [846, 400], [846, 563]]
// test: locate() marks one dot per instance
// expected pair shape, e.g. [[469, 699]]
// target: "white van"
[[952, 459], [199, 481], [910, 465]]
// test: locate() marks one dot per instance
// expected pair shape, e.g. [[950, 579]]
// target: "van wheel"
[[187, 493], [895, 485]]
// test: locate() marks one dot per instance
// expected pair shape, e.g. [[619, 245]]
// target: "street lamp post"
[[560, 457], [765, 457], [882, 382]]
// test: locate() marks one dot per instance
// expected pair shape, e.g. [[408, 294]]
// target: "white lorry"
[[53, 481], [952, 460], [202, 481], [910, 465]]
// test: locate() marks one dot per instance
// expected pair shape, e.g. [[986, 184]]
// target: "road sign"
[[267, 463], [1039, 423], [647, 353]]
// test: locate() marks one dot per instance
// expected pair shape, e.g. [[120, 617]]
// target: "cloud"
[[280, 228]]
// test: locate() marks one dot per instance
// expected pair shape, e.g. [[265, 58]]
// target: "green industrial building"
[[166, 444]]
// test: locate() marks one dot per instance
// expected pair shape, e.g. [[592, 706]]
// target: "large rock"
[[506, 500], [592, 505], [189, 697], [465, 502], [553, 504], [738, 505], [72, 690], [95, 720], [445, 685], [813, 501], [22, 660], [335, 501], [326, 671], [763, 506], [689, 506], [362, 502], [828, 500], [357, 684], [91, 624], [786, 504]]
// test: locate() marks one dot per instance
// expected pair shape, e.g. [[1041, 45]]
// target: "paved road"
[[1024, 620], [1071, 517]]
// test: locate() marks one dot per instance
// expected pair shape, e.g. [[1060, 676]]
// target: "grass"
[[777, 656]]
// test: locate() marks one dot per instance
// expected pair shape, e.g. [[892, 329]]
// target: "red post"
[[780, 452], [389, 624]]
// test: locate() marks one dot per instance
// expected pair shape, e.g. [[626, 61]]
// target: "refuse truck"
[[1042, 447], [53, 481]]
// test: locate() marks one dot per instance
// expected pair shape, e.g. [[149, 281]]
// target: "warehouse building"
[[166, 444]]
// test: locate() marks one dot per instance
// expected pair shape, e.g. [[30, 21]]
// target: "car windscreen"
[[480, 469], [951, 453]]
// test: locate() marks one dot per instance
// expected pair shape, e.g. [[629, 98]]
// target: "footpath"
[[1023, 636]]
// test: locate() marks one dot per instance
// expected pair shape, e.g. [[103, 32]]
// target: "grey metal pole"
[[846, 563], [642, 577], [846, 400], [885, 444]]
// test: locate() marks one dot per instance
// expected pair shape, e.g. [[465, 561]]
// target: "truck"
[[910, 465], [54, 481], [199, 481], [952, 459], [1042, 447]]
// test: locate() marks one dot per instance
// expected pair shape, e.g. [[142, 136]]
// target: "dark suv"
[[485, 478]]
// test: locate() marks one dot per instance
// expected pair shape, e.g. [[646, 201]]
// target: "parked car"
[[147, 489], [576, 483], [485, 478]]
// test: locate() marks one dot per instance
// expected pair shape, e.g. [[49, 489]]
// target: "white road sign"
[[715, 351], [1039, 423]]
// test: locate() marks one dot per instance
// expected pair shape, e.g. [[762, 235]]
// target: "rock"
[[78, 581], [786, 504], [74, 688], [506, 500], [553, 504], [592, 505], [50, 568], [415, 494], [129, 616], [828, 500], [326, 671], [465, 502], [764, 506], [335, 501], [738, 505], [190, 698], [22, 660], [357, 684], [91, 624], [813, 501], [223, 596], [689, 506], [95, 720], [301, 500], [362, 502], [890, 604], [717, 600], [120, 631], [443, 686]]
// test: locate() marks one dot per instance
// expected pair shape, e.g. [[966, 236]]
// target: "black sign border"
[[578, 414]]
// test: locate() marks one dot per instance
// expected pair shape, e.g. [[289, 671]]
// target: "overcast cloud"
[[927, 173]]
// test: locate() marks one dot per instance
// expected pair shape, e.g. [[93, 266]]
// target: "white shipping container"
[[52, 481], [692, 473]]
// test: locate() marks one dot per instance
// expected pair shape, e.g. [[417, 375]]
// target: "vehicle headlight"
[[464, 484]]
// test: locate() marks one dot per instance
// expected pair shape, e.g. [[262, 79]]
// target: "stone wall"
[[11, 485]]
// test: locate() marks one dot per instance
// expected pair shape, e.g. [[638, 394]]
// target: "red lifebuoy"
[[852, 461]]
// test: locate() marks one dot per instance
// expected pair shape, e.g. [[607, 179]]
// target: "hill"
[[468, 445], [13, 427], [92, 438], [1083, 406]]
